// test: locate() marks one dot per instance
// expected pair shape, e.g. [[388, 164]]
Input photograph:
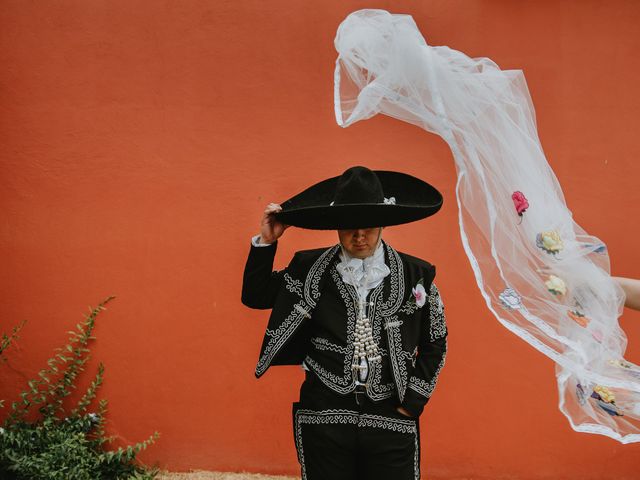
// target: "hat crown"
[[358, 185]]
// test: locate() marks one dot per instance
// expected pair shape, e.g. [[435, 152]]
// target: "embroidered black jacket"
[[415, 335]]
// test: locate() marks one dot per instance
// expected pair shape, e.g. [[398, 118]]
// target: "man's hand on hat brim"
[[270, 228]]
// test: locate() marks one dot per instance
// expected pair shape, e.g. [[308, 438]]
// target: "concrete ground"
[[202, 475]]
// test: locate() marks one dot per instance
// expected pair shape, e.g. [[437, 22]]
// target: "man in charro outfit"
[[365, 321]]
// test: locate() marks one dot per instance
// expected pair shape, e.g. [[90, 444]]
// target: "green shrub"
[[5, 341], [59, 445]]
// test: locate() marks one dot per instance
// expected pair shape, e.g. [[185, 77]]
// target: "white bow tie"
[[364, 274]]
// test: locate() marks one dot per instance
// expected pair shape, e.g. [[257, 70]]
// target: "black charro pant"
[[339, 437]]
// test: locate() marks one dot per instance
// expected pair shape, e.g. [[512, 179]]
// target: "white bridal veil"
[[541, 275]]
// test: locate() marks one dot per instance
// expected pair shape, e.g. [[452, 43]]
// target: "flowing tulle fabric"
[[541, 275]]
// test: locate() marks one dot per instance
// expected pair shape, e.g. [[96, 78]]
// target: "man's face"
[[361, 242]]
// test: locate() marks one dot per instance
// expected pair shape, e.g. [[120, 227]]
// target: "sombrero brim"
[[415, 199]]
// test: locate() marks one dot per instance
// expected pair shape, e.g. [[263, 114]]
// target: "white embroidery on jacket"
[[395, 323], [293, 285], [342, 385], [423, 387], [312, 282], [324, 344], [438, 326], [410, 306], [302, 311]]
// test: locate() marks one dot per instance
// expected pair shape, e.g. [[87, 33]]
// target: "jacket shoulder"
[[418, 262], [306, 258], [313, 252], [419, 267]]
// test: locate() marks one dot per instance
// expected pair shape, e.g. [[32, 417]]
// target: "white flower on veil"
[[556, 285], [550, 241], [510, 299]]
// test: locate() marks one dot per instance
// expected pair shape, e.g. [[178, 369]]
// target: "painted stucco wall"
[[141, 140]]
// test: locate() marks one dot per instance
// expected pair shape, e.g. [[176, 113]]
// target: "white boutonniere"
[[419, 294], [417, 299]]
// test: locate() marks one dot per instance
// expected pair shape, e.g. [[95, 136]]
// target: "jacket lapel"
[[394, 294]]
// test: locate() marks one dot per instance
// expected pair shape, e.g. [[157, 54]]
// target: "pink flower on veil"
[[520, 202]]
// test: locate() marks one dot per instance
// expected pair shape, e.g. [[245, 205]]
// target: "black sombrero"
[[361, 198]]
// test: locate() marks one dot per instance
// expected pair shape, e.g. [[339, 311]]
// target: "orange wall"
[[140, 141]]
